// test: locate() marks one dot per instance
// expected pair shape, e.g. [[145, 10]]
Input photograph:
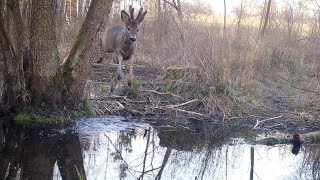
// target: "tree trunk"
[[44, 62], [12, 45], [263, 31], [48, 81], [240, 18], [181, 25], [83, 52], [262, 14], [225, 20]]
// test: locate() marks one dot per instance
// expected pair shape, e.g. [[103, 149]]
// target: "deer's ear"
[[125, 17], [141, 17]]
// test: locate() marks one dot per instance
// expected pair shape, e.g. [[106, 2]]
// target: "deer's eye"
[[137, 30], [129, 29]]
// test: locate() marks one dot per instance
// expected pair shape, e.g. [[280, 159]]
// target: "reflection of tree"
[[252, 162], [145, 154], [206, 145], [164, 162], [311, 162], [125, 139], [31, 154]]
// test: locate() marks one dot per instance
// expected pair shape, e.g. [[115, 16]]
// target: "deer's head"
[[132, 24]]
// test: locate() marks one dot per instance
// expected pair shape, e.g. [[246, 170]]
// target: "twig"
[[268, 119], [182, 104], [280, 124], [162, 93], [124, 98], [180, 110], [97, 110], [173, 4]]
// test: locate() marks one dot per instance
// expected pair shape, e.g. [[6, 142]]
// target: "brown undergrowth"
[[180, 95]]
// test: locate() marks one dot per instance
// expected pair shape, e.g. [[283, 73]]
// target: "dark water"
[[112, 148]]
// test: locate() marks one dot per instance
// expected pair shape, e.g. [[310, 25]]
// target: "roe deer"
[[122, 40]]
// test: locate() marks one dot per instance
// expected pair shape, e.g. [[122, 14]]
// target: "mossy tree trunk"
[[47, 84], [76, 65]]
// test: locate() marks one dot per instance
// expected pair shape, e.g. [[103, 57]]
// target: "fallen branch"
[[162, 93], [180, 110], [123, 98], [182, 104], [97, 111], [268, 119]]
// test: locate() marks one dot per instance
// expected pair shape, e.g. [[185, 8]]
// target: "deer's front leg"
[[119, 71], [130, 72]]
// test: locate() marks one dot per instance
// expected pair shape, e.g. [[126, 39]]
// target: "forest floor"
[[162, 96]]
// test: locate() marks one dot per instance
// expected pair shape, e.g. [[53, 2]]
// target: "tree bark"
[[12, 45], [44, 62]]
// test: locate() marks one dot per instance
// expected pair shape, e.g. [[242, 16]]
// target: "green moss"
[[133, 90], [68, 76], [166, 85], [87, 109], [80, 174], [175, 73], [221, 87], [251, 96], [58, 83], [25, 118]]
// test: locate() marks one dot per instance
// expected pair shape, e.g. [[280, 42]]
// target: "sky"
[[217, 5]]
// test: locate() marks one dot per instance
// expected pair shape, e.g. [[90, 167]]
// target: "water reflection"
[[109, 148], [32, 154]]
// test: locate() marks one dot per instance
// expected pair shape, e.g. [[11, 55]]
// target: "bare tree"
[[181, 24], [240, 16], [265, 24], [224, 20]]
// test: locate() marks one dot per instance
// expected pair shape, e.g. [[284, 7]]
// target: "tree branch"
[[173, 4]]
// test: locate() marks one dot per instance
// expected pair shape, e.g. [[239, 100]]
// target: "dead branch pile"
[[149, 103]]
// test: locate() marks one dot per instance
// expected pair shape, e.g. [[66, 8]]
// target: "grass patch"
[[40, 117], [133, 90], [25, 118]]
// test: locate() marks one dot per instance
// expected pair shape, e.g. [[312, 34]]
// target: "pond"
[[114, 148]]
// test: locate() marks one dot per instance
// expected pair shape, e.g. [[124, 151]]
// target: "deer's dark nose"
[[132, 39]]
